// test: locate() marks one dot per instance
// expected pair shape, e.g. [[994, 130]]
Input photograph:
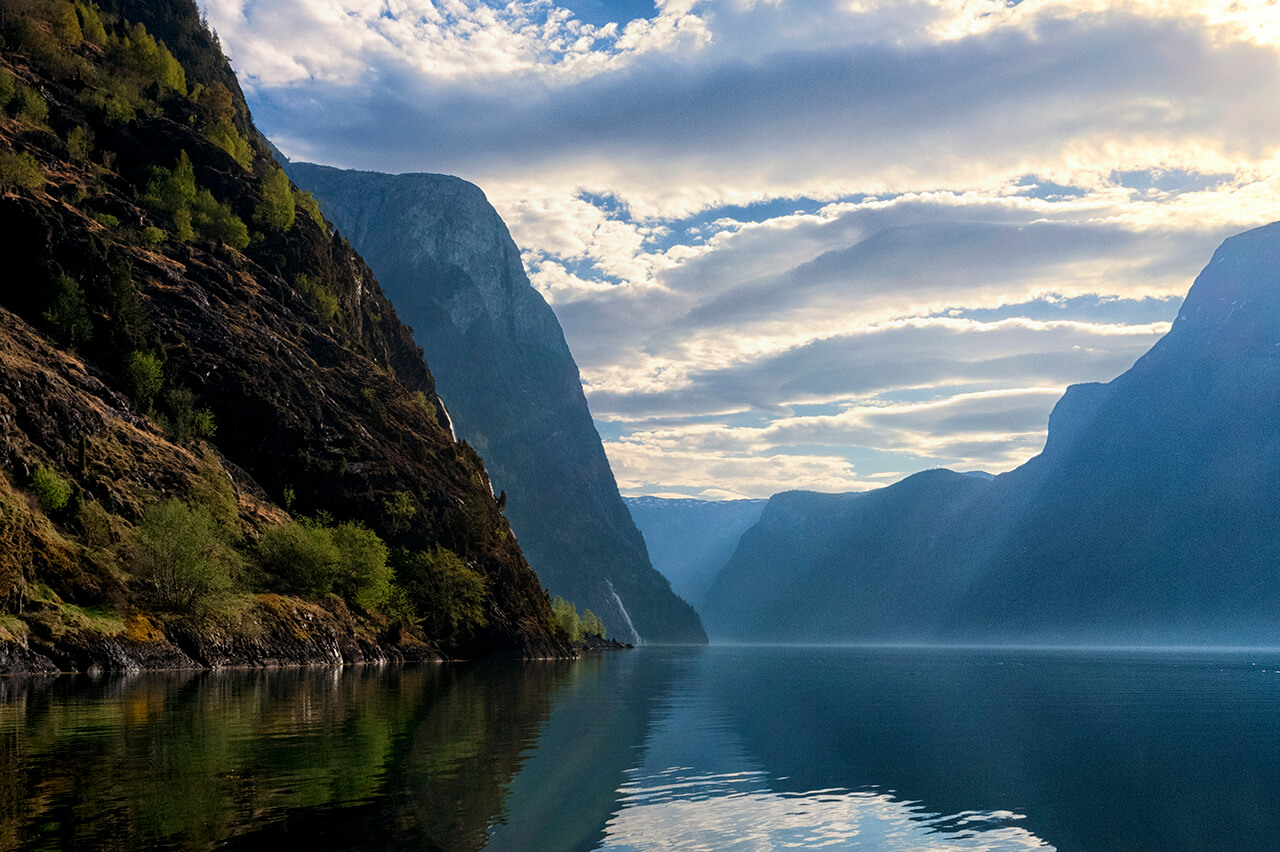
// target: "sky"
[[817, 244]]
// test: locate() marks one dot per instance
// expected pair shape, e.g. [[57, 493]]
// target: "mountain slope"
[[689, 541], [502, 365], [1150, 515], [172, 333]]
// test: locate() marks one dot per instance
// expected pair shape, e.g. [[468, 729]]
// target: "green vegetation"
[[79, 143], [143, 376], [445, 593], [219, 111], [320, 296], [277, 209], [400, 511], [183, 556], [193, 209], [186, 419], [67, 312], [51, 490], [309, 205], [576, 627], [20, 171]]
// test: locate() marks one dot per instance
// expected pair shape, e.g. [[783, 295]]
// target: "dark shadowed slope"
[[1150, 516], [512, 388]]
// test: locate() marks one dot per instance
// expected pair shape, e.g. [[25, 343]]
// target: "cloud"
[[811, 245]]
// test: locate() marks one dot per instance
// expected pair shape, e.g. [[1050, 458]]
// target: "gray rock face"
[[447, 262], [1150, 516]]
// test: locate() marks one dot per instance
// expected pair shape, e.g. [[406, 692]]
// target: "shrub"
[[174, 192], [276, 211], [67, 312], [32, 108], [106, 220], [215, 221], [186, 419], [363, 575], [143, 376], [591, 624], [302, 555], [8, 87], [95, 524], [79, 143], [91, 24], [182, 555], [320, 296], [20, 171], [153, 236], [449, 596], [400, 511], [304, 199], [52, 491]]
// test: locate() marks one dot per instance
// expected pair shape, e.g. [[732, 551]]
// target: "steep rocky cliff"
[[178, 321], [511, 385], [1150, 516]]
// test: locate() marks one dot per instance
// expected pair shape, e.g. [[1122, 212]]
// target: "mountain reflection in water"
[[699, 748]]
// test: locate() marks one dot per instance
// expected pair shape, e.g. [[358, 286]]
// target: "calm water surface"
[[718, 748]]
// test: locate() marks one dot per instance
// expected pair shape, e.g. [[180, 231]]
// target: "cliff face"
[[166, 330], [512, 388], [1150, 516]]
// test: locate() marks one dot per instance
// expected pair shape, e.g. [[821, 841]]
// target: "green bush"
[[32, 108], [320, 296], [591, 624], [174, 192], [91, 24], [52, 491], [8, 87], [143, 376], [277, 210], [363, 575], [400, 511], [448, 596], [182, 555], [215, 221], [302, 555], [187, 420], [106, 220], [67, 312], [153, 236], [79, 143], [20, 171], [309, 205]]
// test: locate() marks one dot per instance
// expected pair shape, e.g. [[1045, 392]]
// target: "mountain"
[[1149, 516], [689, 541], [218, 438], [512, 388]]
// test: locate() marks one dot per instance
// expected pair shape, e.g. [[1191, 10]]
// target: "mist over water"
[[660, 748]]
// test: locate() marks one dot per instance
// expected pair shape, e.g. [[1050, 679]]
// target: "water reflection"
[[715, 748]]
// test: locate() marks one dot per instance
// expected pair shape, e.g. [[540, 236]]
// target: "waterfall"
[[627, 616]]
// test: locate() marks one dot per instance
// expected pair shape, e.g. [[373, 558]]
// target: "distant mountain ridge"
[[502, 366], [1150, 515], [689, 541]]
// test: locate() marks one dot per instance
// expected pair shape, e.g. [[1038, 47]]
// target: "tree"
[[144, 376], [591, 624], [182, 556], [303, 555], [449, 596], [276, 211], [363, 575], [567, 617]]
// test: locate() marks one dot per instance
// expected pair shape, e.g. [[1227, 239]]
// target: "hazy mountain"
[[503, 368], [1150, 515], [689, 541]]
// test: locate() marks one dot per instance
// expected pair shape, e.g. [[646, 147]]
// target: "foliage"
[[183, 556], [304, 199], [276, 211], [91, 28], [219, 127], [8, 87], [51, 490], [193, 209], [320, 296], [143, 376], [95, 524], [591, 624], [363, 575], [400, 511], [186, 419], [32, 108], [447, 595], [302, 555], [566, 615], [67, 312], [20, 171], [153, 236], [79, 143]]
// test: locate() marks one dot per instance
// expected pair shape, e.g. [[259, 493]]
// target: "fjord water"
[[676, 748]]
